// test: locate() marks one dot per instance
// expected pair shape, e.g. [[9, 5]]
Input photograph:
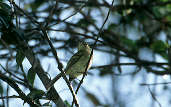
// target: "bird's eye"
[[84, 44]]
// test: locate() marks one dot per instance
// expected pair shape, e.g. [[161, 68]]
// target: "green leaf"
[[112, 27], [36, 4], [93, 99], [130, 44], [5, 13], [47, 104], [36, 94], [168, 18], [156, 11], [31, 76], [19, 32], [142, 42], [159, 46], [4, 21], [19, 58], [67, 103], [5, 7], [1, 88], [106, 71], [85, 22]]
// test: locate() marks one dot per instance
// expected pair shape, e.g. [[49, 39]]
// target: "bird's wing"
[[74, 59]]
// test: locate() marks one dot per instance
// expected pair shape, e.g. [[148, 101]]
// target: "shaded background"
[[131, 58]]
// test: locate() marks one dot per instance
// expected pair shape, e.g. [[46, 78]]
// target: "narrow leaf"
[[31, 76]]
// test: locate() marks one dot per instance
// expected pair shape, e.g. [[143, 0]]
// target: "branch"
[[91, 55], [75, 12], [51, 13], [60, 66], [145, 63], [17, 89], [52, 94], [164, 83], [153, 96], [7, 97]]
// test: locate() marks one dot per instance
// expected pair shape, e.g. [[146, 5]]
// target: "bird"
[[77, 64]]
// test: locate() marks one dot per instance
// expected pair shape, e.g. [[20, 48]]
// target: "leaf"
[[85, 22], [5, 7], [168, 18], [13, 36], [36, 4], [93, 98], [159, 46], [130, 44], [31, 76], [112, 27], [47, 104], [19, 58], [5, 12], [126, 41], [67, 103], [3, 21], [1, 88], [106, 71], [36, 94], [142, 42], [156, 11], [19, 34]]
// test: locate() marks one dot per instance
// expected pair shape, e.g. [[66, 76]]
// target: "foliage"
[[133, 25]]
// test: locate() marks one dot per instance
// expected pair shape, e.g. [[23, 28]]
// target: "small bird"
[[77, 63]]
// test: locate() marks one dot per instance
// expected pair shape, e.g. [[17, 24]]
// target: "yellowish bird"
[[77, 63]]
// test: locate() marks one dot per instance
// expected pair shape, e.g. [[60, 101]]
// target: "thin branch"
[[60, 66], [75, 12], [153, 96], [31, 19], [76, 33], [99, 34], [51, 14], [164, 83], [10, 73], [131, 64], [52, 94], [6, 97], [17, 89], [3, 102]]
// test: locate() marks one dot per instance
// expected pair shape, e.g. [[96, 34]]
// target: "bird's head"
[[83, 46]]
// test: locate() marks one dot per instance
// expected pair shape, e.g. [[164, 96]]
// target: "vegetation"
[[130, 41]]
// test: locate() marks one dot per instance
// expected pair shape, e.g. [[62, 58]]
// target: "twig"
[[94, 47], [99, 34], [74, 13], [7, 46], [153, 96], [11, 73], [144, 84], [130, 64], [52, 94], [51, 14], [6, 97], [31, 19], [76, 33], [17, 89], [60, 66]]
